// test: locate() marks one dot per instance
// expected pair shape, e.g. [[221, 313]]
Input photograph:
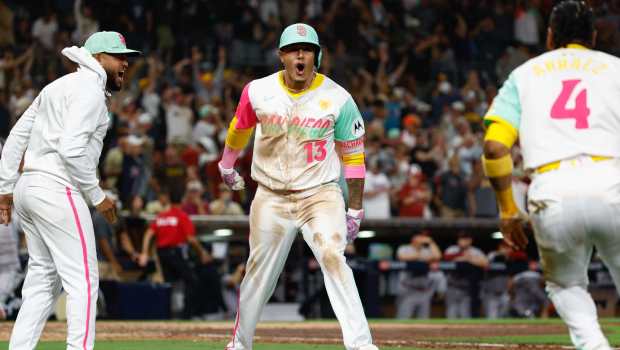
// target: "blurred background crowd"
[[423, 73]]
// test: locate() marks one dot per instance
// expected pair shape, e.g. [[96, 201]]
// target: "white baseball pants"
[[61, 247], [275, 219], [574, 209]]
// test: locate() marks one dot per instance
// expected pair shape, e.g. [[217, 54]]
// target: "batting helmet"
[[302, 33]]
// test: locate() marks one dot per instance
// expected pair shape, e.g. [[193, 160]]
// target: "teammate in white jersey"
[[302, 118], [564, 107], [62, 134]]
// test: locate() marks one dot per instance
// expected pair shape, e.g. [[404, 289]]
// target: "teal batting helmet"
[[302, 33]]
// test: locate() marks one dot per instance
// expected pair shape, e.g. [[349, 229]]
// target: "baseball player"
[[62, 134], [563, 105], [301, 118]]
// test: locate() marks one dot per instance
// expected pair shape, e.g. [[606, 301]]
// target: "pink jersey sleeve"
[[246, 118]]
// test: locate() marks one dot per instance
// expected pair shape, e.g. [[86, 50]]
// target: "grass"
[[611, 328]]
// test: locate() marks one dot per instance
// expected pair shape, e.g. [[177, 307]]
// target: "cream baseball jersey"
[[296, 134], [563, 103]]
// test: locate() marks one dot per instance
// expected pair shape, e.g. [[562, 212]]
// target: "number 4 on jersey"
[[580, 112]]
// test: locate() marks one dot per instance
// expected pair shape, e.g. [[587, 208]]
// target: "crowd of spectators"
[[422, 72]]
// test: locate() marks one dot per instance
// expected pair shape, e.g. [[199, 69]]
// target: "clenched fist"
[[354, 219], [231, 178]]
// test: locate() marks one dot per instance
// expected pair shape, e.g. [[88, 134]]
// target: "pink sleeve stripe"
[[354, 171], [246, 118], [229, 157]]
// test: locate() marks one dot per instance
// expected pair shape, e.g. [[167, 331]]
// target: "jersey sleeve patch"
[[349, 123], [506, 106]]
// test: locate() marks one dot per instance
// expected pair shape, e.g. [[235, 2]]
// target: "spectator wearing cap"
[[208, 84], [463, 279], [415, 287], [134, 174], [224, 204], [451, 191], [144, 130], [193, 203], [415, 195], [411, 123], [207, 125], [376, 192]]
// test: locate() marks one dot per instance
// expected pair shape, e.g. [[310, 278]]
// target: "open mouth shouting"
[[300, 69]]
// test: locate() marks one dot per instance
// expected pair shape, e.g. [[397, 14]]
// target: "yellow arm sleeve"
[[506, 202], [237, 138], [501, 132], [353, 159], [501, 167]]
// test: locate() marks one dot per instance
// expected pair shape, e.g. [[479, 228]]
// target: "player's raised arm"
[[502, 120], [349, 134], [238, 136]]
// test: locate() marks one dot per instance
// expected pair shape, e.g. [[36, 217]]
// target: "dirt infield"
[[430, 336]]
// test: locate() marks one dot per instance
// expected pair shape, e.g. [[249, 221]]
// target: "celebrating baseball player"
[[62, 135], [563, 105], [307, 127]]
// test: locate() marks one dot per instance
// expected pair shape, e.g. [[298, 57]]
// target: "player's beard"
[[112, 82]]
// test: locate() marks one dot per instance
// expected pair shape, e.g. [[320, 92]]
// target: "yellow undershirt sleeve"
[[237, 138]]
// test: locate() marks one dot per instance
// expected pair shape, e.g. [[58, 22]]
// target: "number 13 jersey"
[[296, 134], [563, 103]]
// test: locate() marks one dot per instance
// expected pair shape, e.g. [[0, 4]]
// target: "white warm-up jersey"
[[62, 131], [563, 103], [294, 144]]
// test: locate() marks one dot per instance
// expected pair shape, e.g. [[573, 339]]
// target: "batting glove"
[[354, 219], [231, 178]]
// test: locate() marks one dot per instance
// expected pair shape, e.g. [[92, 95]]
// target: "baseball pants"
[[574, 209], [61, 247], [275, 219]]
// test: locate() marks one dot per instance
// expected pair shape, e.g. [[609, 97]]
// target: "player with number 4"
[[307, 128], [564, 107]]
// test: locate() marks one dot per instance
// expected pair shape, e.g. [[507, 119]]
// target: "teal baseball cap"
[[108, 42], [301, 33]]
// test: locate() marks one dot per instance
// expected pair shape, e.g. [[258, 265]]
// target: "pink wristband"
[[354, 171], [229, 157]]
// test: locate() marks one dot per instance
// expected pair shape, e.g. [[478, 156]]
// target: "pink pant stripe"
[[234, 335], [85, 258]]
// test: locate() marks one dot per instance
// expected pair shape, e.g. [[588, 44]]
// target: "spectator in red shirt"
[[415, 195], [173, 230]]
